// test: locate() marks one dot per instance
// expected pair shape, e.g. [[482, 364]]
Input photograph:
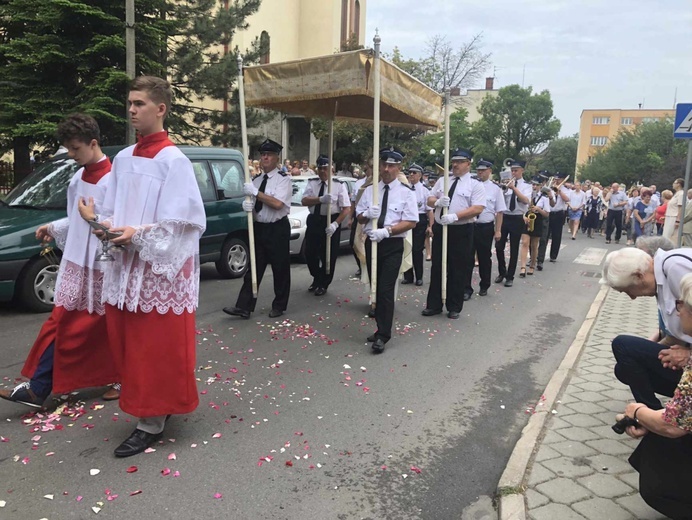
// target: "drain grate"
[[590, 274]]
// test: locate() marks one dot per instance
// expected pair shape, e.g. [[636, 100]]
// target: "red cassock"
[[154, 351], [82, 357]]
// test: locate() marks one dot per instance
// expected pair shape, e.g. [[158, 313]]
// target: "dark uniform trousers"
[[543, 243], [482, 247], [390, 252], [272, 247], [556, 222], [459, 256], [418, 248], [512, 226], [316, 249], [614, 217], [352, 239]]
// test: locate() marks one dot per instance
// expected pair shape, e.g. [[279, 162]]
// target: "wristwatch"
[[389, 230]]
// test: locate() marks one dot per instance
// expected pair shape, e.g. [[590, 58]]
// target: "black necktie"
[[258, 203], [383, 210], [451, 190], [318, 206], [513, 201]]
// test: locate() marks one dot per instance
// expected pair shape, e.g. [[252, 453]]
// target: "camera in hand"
[[620, 426]]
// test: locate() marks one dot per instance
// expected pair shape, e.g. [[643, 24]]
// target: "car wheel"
[[36, 286], [235, 259]]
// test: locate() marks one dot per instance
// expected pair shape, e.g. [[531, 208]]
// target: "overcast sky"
[[587, 53]]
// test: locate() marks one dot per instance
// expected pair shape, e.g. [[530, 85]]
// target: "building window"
[[344, 23], [650, 119], [601, 120], [626, 121], [265, 46], [599, 141], [356, 25]]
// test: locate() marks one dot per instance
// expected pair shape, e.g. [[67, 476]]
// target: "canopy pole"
[[683, 209], [328, 257], [446, 191], [375, 164], [243, 131]]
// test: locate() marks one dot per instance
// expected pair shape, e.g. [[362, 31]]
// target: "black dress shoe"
[[419, 283], [320, 291], [136, 443], [235, 311], [372, 338], [509, 283], [467, 296], [357, 274], [378, 346], [553, 260], [371, 313], [483, 292], [539, 267], [499, 279], [275, 313], [431, 312], [312, 287], [406, 282], [453, 315]]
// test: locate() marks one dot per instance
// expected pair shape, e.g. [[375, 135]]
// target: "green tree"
[[516, 123], [459, 137], [559, 156], [647, 154]]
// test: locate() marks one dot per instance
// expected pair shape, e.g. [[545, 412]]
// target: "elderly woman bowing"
[[651, 366], [664, 456]]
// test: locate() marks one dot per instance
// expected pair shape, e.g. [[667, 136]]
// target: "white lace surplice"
[[80, 280], [161, 199]]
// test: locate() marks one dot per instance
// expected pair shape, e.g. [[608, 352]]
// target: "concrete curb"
[[510, 489]]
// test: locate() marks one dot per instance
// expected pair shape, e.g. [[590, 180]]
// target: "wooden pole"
[[446, 191], [129, 62], [375, 163], [328, 257], [246, 154]]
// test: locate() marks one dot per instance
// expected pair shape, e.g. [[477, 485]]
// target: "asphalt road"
[[297, 419]]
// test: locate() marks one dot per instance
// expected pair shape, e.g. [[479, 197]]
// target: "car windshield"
[[46, 187], [298, 189]]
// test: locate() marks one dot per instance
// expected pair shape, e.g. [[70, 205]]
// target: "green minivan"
[[29, 277]]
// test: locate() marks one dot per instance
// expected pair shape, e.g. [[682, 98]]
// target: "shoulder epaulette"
[[283, 174], [410, 187], [337, 180]]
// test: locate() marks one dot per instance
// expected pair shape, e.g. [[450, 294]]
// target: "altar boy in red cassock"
[[151, 290], [71, 350]]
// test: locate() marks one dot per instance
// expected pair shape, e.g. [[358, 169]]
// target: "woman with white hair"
[[650, 367], [664, 456]]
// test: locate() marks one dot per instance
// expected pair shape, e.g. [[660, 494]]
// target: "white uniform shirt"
[[401, 205], [669, 269], [540, 200], [422, 194], [312, 189], [577, 199], [280, 187], [469, 192], [494, 202], [617, 198], [521, 208], [560, 205]]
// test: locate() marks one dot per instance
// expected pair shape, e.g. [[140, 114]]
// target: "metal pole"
[[328, 257], [246, 155], [446, 190], [375, 163], [681, 216], [129, 62]]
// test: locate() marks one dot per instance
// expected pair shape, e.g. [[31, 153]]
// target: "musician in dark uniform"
[[517, 198], [465, 201], [271, 194], [535, 218], [317, 198], [424, 226], [396, 212]]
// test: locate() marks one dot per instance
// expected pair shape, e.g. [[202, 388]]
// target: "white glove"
[[442, 202], [450, 218], [372, 212], [331, 229], [327, 199], [248, 205], [250, 189], [378, 235]]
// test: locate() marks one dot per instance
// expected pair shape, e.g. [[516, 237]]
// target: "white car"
[[299, 214]]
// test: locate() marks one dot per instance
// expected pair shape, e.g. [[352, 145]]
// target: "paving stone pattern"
[[579, 469]]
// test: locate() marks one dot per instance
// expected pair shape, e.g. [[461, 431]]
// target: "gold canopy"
[[314, 87]]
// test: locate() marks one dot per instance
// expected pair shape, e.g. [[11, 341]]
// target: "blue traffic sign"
[[683, 121]]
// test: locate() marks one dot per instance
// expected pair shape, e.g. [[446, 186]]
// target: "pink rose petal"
[[216, 436], [172, 456], [218, 495], [165, 471]]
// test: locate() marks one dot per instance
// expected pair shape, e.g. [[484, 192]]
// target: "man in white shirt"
[[617, 200], [575, 208], [305, 168]]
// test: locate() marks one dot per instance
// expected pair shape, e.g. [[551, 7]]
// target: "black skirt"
[[537, 227], [665, 474]]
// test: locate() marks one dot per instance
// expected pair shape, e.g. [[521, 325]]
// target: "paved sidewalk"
[[578, 468]]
